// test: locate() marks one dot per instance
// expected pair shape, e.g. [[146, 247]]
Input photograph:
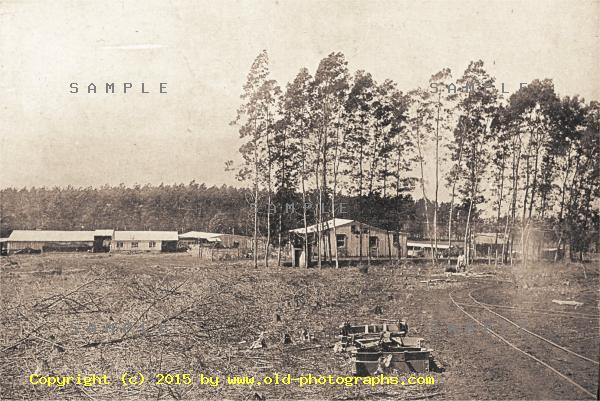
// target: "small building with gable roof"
[[353, 239], [144, 241]]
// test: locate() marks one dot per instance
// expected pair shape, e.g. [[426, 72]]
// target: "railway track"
[[574, 315], [579, 371]]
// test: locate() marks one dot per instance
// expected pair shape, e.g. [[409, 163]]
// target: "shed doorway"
[[373, 246]]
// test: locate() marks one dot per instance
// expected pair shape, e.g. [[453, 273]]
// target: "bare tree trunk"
[[425, 200], [500, 195], [562, 206], [524, 224], [505, 240], [255, 238], [398, 201], [368, 247], [269, 191], [534, 184], [318, 211], [335, 173], [460, 153], [360, 206], [360, 243], [323, 189], [437, 164], [279, 239], [467, 239], [268, 241], [328, 253], [303, 184], [468, 228], [450, 216], [516, 162], [282, 185], [306, 254], [319, 227]]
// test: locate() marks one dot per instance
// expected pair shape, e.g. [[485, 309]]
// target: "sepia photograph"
[[268, 200]]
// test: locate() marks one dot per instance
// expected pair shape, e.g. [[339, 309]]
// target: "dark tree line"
[[198, 207], [164, 207], [181, 207], [186, 207]]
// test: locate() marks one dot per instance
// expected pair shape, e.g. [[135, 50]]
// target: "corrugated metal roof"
[[3, 239], [145, 236], [104, 233], [50, 236], [199, 235], [326, 225]]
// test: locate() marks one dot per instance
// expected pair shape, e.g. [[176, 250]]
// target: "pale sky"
[[203, 51]]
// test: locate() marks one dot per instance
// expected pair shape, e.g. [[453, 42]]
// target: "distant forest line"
[[193, 206]]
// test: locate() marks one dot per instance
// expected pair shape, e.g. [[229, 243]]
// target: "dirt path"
[[486, 367]]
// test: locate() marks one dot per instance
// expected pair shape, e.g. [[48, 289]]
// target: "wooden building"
[[199, 238], [218, 240], [144, 241], [424, 248], [539, 245], [237, 241], [489, 245], [102, 240], [353, 240], [37, 241], [3, 245]]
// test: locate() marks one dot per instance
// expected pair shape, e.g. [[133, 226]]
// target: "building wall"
[[142, 246], [537, 243], [219, 253], [353, 246], [14, 246], [230, 240], [227, 241]]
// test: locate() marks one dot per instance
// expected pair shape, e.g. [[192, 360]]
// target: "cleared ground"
[[64, 314]]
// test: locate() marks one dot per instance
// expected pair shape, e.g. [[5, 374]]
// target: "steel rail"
[[532, 333], [504, 340]]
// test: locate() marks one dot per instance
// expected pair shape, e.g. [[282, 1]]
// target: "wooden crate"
[[406, 360]]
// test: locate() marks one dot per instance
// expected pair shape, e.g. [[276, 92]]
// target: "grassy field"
[[64, 314]]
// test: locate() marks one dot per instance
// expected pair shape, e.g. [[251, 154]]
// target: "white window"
[[152, 244], [119, 244], [134, 244], [341, 240]]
